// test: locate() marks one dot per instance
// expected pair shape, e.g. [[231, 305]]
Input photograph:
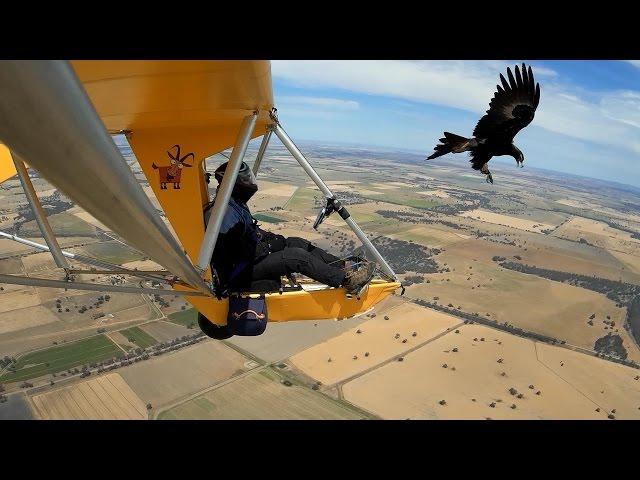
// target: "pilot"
[[247, 258]]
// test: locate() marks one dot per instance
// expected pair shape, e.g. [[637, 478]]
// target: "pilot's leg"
[[298, 260], [326, 257]]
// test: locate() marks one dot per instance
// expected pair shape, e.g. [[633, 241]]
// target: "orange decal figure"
[[172, 173]]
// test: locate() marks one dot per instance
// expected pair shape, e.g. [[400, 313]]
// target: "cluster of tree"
[[141, 354], [411, 279], [406, 256], [163, 303], [611, 345], [7, 361], [633, 318], [51, 205], [3, 398]]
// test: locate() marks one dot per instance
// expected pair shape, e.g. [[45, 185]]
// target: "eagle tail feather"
[[451, 143]]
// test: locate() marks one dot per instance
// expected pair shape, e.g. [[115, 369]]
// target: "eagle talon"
[[489, 178]]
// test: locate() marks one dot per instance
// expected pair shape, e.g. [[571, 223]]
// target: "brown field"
[[107, 397], [19, 298], [261, 396], [143, 265], [507, 221], [24, 318], [122, 306], [413, 388], [377, 337], [599, 234], [557, 254], [191, 369], [38, 262], [561, 311], [271, 195], [283, 339], [435, 193], [165, 331], [10, 265], [431, 236], [10, 247]]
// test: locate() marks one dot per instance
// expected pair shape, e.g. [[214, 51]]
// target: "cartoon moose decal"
[[172, 173]]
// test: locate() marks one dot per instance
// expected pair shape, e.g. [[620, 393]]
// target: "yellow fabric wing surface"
[[7, 168], [196, 105]]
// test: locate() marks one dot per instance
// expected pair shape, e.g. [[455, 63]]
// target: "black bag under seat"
[[247, 315]]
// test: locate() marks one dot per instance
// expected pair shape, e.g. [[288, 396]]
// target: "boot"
[[358, 277]]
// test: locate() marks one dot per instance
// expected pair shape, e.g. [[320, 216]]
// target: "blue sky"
[[587, 123]]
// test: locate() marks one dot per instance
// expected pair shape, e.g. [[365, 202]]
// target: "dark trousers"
[[301, 256]]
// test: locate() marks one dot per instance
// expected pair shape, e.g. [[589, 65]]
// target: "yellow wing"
[[7, 168], [198, 105]]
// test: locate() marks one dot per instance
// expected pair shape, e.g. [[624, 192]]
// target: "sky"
[[587, 123]]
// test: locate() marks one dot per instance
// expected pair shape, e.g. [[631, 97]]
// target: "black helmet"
[[245, 185]]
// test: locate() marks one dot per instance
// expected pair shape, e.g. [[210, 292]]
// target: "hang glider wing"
[[7, 168]]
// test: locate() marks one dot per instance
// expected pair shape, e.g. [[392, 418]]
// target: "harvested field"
[[190, 369], [143, 265], [9, 265], [106, 397], [18, 299], [381, 339], [414, 388], [261, 396], [479, 285], [283, 339], [507, 221], [37, 262], [164, 331], [24, 318]]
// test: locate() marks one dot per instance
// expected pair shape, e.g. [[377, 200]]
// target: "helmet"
[[245, 185]]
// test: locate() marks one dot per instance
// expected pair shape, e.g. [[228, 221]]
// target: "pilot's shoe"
[[357, 278]]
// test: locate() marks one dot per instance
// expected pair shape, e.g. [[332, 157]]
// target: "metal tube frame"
[[262, 149], [46, 282], [38, 212], [304, 163], [224, 191], [48, 116], [79, 258]]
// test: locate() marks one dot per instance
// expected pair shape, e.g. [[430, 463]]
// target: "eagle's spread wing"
[[512, 107]]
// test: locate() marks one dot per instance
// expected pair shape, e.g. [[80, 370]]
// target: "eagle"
[[511, 109]]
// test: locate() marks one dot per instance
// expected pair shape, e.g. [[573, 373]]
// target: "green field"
[[63, 225], [139, 337], [185, 317], [302, 200], [113, 252], [62, 357], [263, 396], [268, 218]]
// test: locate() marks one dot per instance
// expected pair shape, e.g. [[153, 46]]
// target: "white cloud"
[[635, 63], [609, 119], [622, 106]]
